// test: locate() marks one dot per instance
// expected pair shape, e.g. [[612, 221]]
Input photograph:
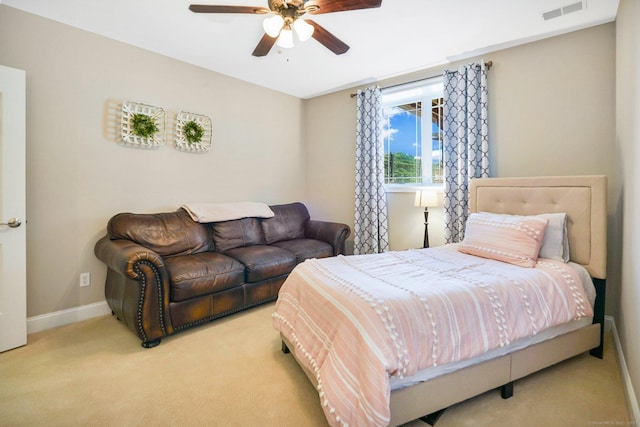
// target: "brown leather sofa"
[[167, 272]]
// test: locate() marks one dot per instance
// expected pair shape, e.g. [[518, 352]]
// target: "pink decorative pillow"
[[507, 238]]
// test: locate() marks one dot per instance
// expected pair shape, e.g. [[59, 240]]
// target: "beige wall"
[[551, 113], [628, 156], [78, 175]]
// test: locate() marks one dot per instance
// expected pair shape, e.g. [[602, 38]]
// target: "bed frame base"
[[433, 396], [506, 391]]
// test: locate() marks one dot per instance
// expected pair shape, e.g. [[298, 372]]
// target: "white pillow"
[[555, 244]]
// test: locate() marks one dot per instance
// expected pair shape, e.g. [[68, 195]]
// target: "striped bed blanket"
[[358, 321]]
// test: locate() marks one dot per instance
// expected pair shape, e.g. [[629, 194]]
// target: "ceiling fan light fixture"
[[286, 38], [272, 25], [304, 30]]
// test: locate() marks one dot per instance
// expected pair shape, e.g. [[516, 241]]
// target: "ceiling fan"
[[285, 15]]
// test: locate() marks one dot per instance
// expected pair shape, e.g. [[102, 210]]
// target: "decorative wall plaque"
[[193, 132], [142, 125]]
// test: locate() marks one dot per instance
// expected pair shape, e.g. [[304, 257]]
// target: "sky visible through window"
[[402, 132]]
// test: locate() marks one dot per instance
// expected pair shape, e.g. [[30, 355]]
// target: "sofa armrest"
[[331, 232], [137, 287], [122, 255]]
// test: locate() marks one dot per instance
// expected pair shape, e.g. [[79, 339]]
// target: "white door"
[[13, 237]]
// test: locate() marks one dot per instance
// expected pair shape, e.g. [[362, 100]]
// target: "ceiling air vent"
[[573, 7]]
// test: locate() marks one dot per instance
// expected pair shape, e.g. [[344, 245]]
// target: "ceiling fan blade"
[[329, 41], [329, 6], [264, 45], [204, 8]]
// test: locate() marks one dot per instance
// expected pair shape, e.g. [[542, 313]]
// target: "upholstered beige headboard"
[[583, 198]]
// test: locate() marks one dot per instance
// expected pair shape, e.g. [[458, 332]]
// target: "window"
[[413, 134]]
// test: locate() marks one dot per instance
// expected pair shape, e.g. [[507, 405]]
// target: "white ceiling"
[[399, 37]]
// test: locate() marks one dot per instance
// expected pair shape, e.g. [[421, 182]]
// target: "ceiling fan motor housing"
[[292, 9]]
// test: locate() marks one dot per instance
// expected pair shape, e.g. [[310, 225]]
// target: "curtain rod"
[[487, 64]]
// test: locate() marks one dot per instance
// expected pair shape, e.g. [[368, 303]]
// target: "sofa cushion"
[[202, 274], [306, 248], [169, 233], [233, 234], [287, 223], [263, 262]]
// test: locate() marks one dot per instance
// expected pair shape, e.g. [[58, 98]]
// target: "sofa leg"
[[151, 344], [285, 349]]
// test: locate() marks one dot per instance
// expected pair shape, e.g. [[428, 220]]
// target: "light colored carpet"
[[231, 372]]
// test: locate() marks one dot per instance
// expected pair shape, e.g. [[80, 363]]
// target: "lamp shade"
[[426, 198]]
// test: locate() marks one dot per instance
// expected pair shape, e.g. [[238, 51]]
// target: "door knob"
[[13, 223]]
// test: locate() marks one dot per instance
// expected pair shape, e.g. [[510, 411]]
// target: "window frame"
[[423, 91]]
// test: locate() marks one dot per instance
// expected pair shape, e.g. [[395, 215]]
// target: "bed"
[[428, 389]]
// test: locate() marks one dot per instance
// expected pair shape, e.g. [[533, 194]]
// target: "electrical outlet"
[[85, 279]]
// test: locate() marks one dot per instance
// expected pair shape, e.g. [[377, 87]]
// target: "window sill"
[[412, 188]]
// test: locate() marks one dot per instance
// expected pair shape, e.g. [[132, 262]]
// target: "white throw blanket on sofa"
[[215, 212]]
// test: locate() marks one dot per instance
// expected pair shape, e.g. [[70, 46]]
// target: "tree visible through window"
[[413, 135]]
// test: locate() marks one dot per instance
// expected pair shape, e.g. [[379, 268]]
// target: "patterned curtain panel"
[[370, 228], [466, 142]]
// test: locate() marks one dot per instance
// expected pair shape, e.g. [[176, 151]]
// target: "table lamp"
[[426, 199]]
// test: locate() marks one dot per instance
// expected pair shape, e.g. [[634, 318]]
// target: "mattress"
[[436, 371]]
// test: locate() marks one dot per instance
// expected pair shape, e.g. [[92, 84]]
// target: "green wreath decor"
[[144, 126], [193, 132]]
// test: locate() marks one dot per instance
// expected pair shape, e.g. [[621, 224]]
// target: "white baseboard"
[[65, 317], [632, 402]]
